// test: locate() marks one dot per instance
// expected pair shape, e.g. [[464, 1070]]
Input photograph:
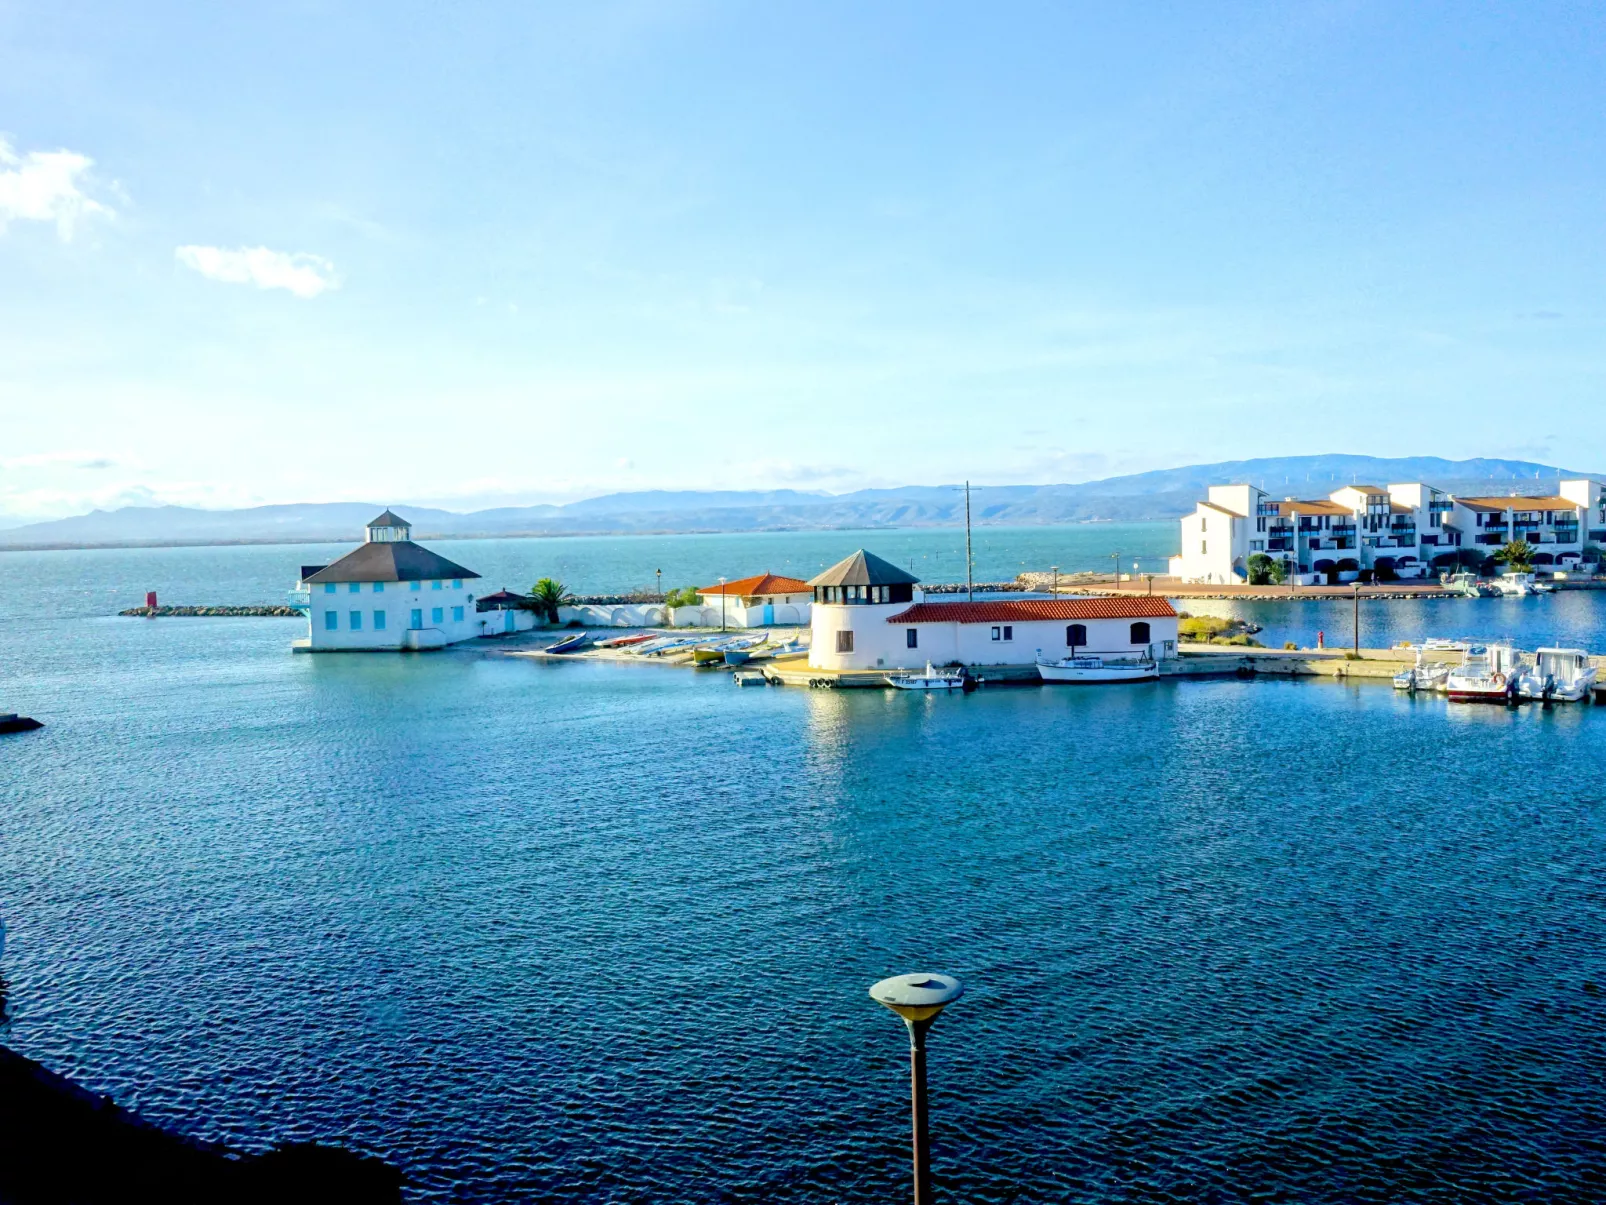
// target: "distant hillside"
[[1161, 494]]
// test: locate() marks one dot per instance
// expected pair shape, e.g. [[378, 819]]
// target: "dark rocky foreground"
[[280, 612], [59, 1144]]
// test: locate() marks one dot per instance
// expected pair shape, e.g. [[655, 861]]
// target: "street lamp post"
[[1056, 570], [660, 574], [918, 999], [1357, 586]]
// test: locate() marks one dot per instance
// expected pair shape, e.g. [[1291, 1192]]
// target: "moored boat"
[[10, 721], [1092, 670], [571, 644], [1558, 675], [932, 679], [1484, 676]]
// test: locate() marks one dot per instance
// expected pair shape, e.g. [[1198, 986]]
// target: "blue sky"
[[469, 255]]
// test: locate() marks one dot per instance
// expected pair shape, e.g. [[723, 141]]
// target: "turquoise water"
[[603, 933]]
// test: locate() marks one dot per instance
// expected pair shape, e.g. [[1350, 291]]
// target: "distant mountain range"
[[1161, 494]]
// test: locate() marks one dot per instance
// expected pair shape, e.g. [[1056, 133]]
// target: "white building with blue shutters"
[[389, 594]]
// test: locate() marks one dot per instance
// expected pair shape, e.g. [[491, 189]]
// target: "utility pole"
[[970, 565], [1056, 570]]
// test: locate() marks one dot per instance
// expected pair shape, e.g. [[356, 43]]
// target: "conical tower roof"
[[864, 569], [389, 519]]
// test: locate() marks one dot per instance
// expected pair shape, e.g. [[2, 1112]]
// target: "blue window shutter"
[[435, 615], [379, 621], [328, 587], [356, 621], [418, 617], [457, 614], [331, 621], [355, 587]]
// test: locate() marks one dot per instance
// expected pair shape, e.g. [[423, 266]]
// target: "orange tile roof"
[[759, 583], [1314, 506], [1524, 502], [1024, 609]]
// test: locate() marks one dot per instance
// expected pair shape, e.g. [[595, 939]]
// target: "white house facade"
[[389, 594], [761, 601], [885, 622]]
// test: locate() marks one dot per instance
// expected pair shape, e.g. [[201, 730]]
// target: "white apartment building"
[[1404, 527], [388, 594]]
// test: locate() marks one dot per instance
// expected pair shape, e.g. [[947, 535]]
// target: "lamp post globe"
[[917, 999]]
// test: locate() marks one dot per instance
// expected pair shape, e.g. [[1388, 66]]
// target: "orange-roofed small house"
[[760, 601]]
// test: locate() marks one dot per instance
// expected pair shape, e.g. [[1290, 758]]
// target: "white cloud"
[[302, 274], [45, 186]]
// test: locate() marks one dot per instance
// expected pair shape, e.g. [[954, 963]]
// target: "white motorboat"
[[1515, 585], [1484, 675], [1558, 675], [1423, 676], [1092, 671], [932, 679], [1539, 587]]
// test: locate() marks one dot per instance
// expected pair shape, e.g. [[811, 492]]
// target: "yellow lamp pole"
[[918, 999]]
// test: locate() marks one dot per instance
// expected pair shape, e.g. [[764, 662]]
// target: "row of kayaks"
[[1499, 673], [1085, 670]]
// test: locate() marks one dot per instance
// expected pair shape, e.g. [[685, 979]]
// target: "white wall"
[[878, 644], [397, 600], [1212, 542], [616, 615]]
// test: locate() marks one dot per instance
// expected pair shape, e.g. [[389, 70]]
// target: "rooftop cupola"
[[389, 528], [864, 579]]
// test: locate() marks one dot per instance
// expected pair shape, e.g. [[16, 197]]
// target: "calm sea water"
[[603, 933]]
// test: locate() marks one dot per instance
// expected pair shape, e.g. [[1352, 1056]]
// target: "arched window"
[[1140, 633], [1076, 635]]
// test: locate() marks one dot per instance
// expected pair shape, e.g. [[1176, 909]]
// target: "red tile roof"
[[759, 583], [1025, 609]]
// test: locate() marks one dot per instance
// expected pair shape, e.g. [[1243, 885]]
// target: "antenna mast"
[[970, 584]]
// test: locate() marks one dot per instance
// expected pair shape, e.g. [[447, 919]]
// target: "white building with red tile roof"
[[869, 614], [760, 601]]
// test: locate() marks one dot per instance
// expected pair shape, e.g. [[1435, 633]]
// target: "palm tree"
[[1517, 556], [548, 595]]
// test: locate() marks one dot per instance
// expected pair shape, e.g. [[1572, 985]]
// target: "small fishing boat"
[[1558, 675], [932, 679], [1090, 670], [707, 656], [619, 642], [738, 656], [1423, 676], [1539, 587], [1484, 675], [1465, 584], [571, 644], [1514, 585], [10, 721]]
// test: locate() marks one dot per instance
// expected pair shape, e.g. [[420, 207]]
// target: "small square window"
[[328, 587], [379, 587], [354, 588], [356, 621], [844, 642], [437, 615], [435, 585], [457, 583], [1009, 632], [911, 638], [414, 585], [996, 633]]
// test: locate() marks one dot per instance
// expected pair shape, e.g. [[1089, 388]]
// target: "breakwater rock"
[[245, 612], [59, 1142]]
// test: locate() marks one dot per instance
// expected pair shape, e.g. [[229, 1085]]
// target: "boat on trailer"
[[1558, 675], [932, 679], [1091, 670]]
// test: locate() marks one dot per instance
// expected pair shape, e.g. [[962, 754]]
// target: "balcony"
[[1279, 545], [1494, 539]]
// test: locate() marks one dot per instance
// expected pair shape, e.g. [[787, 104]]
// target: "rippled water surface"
[[602, 933]]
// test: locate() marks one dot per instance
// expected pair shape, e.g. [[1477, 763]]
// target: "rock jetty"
[[245, 612]]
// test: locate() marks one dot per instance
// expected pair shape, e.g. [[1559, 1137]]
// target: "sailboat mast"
[[970, 584]]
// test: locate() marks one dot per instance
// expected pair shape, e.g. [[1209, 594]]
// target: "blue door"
[[507, 621], [769, 614], [418, 619]]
